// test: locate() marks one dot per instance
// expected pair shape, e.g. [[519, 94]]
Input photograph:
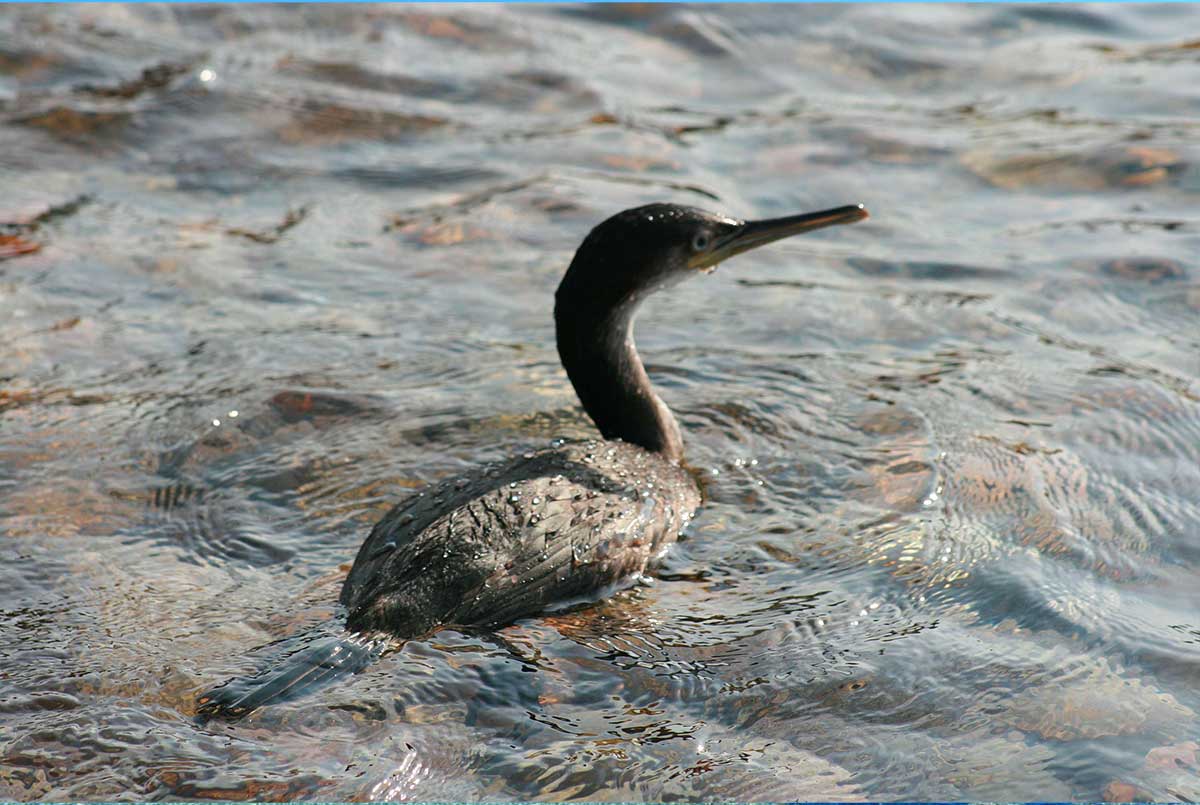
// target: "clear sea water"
[[951, 454]]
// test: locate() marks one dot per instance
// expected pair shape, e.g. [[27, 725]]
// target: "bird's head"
[[642, 250]]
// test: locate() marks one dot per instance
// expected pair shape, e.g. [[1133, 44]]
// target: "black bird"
[[564, 522]]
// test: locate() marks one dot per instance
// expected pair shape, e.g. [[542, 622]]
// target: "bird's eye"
[[700, 242]]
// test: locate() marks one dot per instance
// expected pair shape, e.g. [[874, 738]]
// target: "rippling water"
[[264, 270]]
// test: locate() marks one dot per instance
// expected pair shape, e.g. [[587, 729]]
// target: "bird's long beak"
[[753, 234]]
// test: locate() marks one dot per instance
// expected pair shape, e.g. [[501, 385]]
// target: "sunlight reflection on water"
[[266, 270]]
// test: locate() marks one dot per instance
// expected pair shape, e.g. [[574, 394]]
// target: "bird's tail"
[[303, 671]]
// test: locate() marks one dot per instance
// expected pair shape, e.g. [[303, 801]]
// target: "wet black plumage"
[[556, 524], [560, 523]]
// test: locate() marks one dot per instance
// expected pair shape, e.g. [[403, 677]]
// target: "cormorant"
[[563, 522]]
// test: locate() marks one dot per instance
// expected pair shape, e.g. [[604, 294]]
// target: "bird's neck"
[[598, 352]]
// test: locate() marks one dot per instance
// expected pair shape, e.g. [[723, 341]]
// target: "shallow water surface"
[[265, 270]]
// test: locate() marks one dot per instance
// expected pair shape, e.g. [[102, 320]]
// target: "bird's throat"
[[604, 367]]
